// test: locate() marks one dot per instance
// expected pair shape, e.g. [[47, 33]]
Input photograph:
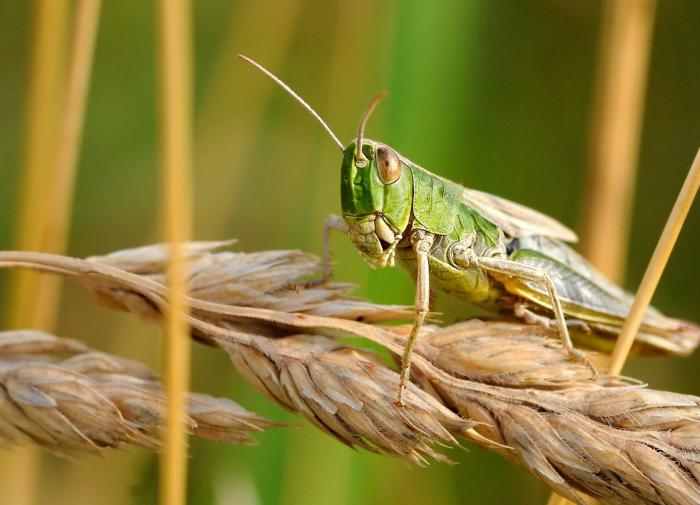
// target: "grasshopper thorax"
[[376, 196]]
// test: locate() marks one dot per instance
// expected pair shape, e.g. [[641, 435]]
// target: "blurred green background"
[[495, 95]]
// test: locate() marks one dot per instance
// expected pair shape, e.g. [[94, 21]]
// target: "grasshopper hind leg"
[[509, 269]]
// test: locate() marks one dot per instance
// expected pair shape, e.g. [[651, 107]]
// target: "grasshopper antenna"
[[295, 96], [360, 158]]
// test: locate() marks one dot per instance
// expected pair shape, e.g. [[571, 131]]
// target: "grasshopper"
[[481, 248]]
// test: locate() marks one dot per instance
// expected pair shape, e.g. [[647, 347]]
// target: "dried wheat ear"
[[65, 397], [504, 386]]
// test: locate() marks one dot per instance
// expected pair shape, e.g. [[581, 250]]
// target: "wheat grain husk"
[[67, 398]]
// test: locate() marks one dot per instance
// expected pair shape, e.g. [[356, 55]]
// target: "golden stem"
[[622, 75], [64, 167], [20, 469], [651, 279], [176, 153], [656, 267], [43, 106], [58, 206]]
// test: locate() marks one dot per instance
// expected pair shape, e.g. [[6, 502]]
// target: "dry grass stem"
[[656, 266], [64, 163], [625, 47], [65, 397], [505, 386], [175, 52], [43, 103]]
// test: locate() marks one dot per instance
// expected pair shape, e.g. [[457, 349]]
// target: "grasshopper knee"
[[422, 308]]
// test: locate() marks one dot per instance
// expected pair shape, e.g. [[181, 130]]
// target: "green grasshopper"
[[478, 247]]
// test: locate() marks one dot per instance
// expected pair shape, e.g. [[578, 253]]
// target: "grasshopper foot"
[[318, 282], [581, 357], [402, 387]]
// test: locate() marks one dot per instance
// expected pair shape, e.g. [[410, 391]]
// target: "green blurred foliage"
[[495, 95]]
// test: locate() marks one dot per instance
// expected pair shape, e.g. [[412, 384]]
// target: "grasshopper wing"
[[514, 219], [587, 295], [581, 296]]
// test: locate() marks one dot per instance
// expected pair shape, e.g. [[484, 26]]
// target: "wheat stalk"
[[175, 86], [505, 386], [618, 112]]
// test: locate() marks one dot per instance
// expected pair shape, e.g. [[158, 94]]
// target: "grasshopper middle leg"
[[421, 241], [522, 312]]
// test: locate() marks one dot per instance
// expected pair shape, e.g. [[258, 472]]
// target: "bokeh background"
[[496, 95]]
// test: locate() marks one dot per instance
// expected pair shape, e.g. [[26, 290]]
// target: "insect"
[[479, 247]]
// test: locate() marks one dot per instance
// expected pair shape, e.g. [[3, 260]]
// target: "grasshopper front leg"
[[332, 222], [466, 258], [421, 241]]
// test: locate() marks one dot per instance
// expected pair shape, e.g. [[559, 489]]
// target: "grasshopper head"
[[376, 194], [376, 185]]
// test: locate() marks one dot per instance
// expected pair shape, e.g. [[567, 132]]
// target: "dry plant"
[[65, 397], [618, 109], [54, 120], [504, 386], [175, 85]]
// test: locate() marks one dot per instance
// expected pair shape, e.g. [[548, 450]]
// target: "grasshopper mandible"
[[481, 248]]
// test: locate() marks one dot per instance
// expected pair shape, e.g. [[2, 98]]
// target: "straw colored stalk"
[[653, 274], [67, 398], [65, 162], [651, 278], [43, 106], [625, 45], [176, 145], [505, 386]]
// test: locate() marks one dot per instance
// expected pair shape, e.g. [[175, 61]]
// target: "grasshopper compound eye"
[[388, 165]]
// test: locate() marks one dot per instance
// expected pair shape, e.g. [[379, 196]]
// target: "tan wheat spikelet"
[[65, 397]]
